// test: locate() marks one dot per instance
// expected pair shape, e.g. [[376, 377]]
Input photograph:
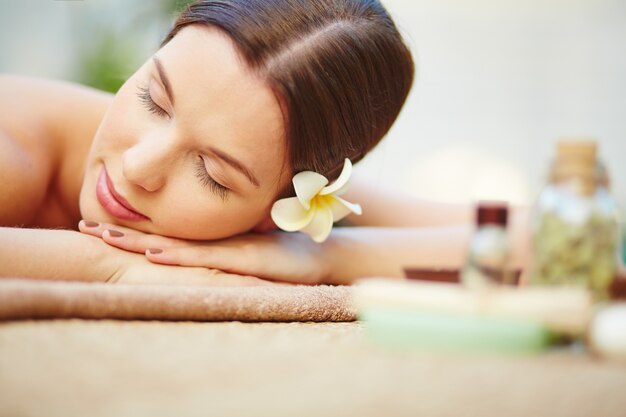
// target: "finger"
[[96, 228], [124, 237], [90, 227], [228, 259], [134, 241], [189, 256]]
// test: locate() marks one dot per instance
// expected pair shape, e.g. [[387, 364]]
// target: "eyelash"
[[146, 99], [203, 176], [207, 181]]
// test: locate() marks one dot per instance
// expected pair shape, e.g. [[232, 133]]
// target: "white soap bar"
[[608, 331]]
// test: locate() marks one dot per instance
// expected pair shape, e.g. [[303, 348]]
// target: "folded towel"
[[35, 299]]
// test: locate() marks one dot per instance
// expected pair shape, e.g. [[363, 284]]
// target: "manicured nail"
[[115, 233], [89, 223], [154, 251]]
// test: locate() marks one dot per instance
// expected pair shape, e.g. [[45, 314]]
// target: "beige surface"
[[116, 368]]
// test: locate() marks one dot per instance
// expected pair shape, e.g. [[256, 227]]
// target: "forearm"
[[384, 208], [52, 254], [354, 252], [361, 252]]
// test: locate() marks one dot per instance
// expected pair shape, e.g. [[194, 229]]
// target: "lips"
[[112, 202]]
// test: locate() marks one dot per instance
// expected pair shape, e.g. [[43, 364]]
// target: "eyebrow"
[[235, 164], [164, 79]]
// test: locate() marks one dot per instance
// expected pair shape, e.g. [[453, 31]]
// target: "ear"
[[265, 225]]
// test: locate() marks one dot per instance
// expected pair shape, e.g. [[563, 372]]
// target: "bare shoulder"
[[50, 106], [40, 122]]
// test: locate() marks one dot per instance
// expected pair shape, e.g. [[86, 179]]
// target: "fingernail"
[[154, 251], [115, 233], [89, 223]]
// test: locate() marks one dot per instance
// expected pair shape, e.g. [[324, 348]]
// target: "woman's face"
[[192, 146]]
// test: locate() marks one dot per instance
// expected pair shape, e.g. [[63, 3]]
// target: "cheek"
[[122, 124], [205, 220], [87, 200], [118, 130], [125, 119]]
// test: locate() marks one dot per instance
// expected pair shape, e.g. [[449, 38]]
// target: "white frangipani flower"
[[316, 206]]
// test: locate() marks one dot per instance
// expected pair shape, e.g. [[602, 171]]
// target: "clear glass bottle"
[[488, 255], [575, 225]]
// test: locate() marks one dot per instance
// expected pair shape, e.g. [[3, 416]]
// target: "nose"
[[146, 162]]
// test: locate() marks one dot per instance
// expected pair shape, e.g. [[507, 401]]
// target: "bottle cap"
[[576, 159], [492, 213], [581, 150]]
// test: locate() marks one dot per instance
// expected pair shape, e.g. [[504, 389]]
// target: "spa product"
[[488, 254], [575, 231], [563, 311], [450, 317], [454, 332]]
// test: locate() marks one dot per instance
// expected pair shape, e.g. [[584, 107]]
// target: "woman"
[[200, 143]]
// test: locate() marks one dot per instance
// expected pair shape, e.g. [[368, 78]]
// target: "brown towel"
[[34, 299]]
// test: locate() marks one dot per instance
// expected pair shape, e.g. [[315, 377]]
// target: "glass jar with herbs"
[[575, 227]]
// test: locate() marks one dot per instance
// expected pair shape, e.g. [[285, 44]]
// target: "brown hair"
[[339, 68]]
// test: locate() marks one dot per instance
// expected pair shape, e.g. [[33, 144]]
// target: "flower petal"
[[341, 208], [340, 184], [289, 215], [322, 223], [307, 184]]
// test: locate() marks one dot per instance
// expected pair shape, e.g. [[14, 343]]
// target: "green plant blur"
[[106, 62]]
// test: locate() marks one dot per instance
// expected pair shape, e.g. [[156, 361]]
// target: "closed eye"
[[146, 99], [207, 181]]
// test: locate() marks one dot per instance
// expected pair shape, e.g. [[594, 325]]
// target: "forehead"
[[220, 102]]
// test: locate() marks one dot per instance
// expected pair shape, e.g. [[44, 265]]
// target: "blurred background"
[[498, 83]]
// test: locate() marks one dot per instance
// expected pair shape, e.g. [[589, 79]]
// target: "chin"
[[90, 210], [201, 233], [86, 211]]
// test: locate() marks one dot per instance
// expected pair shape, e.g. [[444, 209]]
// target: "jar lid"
[[577, 149], [575, 157], [576, 160], [492, 212]]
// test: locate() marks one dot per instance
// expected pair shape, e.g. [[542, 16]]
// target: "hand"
[[136, 269], [133, 268], [290, 257]]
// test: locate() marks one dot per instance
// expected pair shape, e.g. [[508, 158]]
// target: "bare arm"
[[349, 253], [359, 252], [72, 256], [53, 254], [391, 209], [363, 251]]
